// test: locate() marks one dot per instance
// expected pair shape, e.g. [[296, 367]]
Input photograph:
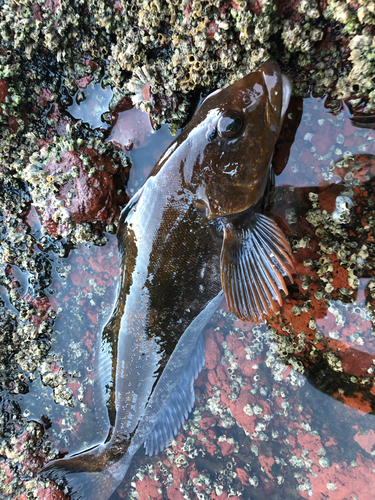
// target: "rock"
[[77, 187]]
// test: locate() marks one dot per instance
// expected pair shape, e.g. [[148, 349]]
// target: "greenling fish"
[[191, 235]]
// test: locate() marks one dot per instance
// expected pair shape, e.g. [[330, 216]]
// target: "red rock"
[[245, 326], [323, 139], [211, 30], [209, 447], [53, 5], [146, 92], [367, 441], [12, 125], [174, 493], [328, 323], [4, 86], [100, 263], [187, 12], [89, 340], [179, 477], [83, 82], [212, 353], [33, 458], [207, 422], [76, 278], [353, 141], [79, 417], [266, 463], [311, 443], [45, 97], [61, 120], [327, 197], [245, 421], [350, 482], [42, 304], [358, 401], [96, 197], [219, 337], [93, 317], [124, 104], [226, 447], [288, 8], [74, 386], [355, 362], [243, 476], [132, 127], [9, 474], [88, 397], [331, 442], [118, 5], [216, 377], [50, 493], [147, 489]]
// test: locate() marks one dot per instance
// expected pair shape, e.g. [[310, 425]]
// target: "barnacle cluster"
[[353, 21], [176, 47], [52, 174], [362, 74], [58, 27], [335, 231]]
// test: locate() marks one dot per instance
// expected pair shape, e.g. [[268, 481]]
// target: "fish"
[[193, 234]]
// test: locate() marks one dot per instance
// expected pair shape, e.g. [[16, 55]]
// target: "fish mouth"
[[287, 93]]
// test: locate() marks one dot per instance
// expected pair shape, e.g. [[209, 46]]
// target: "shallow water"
[[97, 99], [259, 428]]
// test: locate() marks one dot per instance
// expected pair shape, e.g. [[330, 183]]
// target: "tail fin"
[[89, 475]]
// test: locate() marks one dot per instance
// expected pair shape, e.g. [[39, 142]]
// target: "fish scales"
[[190, 236]]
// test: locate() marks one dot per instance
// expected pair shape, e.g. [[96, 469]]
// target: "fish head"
[[239, 127]]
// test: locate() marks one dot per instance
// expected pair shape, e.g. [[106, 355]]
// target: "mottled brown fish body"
[[192, 232]]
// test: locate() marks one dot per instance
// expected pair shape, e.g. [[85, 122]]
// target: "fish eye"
[[230, 124]]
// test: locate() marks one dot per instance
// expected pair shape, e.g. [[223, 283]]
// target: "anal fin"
[[255, 258], [179, 404]]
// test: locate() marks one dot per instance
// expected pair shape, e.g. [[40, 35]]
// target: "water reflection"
[[95, 103], [133, 131]]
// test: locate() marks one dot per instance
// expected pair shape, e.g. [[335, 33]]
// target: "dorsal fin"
[[106, 354], [179, 405]]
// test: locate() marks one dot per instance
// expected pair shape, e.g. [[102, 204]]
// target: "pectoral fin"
[[254, 260]]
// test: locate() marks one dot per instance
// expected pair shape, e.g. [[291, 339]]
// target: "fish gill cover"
[[262, 426]]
